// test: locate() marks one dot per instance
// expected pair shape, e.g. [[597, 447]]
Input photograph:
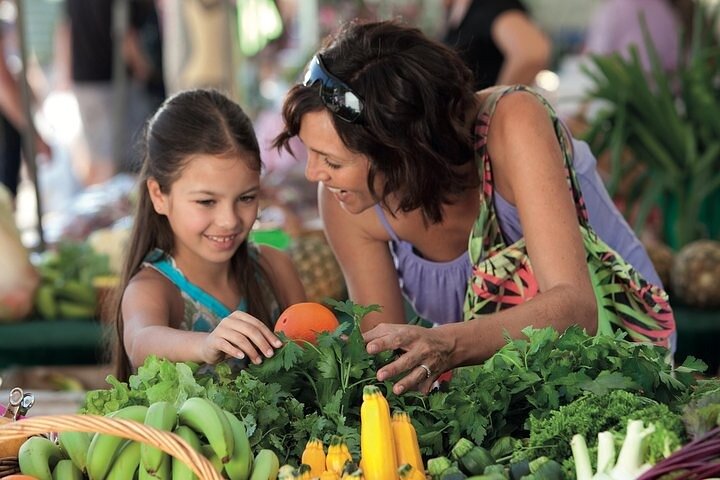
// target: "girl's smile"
[[211, 207]]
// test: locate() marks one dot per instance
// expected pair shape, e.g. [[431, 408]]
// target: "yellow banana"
[[163, 416], [126, 462], [240, 464], [103, 448], [180, 471], [38, 456], [206, 418], [67, 470], [76, 445], [265, 466]]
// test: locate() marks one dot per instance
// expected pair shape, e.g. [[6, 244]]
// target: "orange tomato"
[[303, 321]]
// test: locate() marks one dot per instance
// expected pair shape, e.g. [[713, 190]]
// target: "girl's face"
[[211, 207], [342, 172]]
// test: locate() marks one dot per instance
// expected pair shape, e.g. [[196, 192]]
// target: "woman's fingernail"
[[371, 349], [277, 343], [269, 353], [240, 355], [399, 389], [381, 376]]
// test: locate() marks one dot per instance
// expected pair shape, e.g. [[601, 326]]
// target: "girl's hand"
[[427, 354], [240, 335]]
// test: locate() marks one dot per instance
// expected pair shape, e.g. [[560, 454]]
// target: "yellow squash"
[[408, 472], [406, 442], [377, 446], [338, 454], [314, 457]]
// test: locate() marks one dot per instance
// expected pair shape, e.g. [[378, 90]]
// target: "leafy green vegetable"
[[308, 390], [591, 414]]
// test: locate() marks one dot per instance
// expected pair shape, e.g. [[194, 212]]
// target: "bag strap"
[[482, 127]]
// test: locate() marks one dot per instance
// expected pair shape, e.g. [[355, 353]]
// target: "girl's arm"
[[529, 172], [283, 275], [148, 304], [365, 260]]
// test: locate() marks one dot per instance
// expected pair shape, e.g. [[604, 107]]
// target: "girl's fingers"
[[252, 328], [269, 335], [251, 343]]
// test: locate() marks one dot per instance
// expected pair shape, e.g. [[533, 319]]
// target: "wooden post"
[[120, 22], [28, 133]]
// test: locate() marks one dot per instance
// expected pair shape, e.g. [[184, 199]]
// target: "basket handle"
[[168, 442]]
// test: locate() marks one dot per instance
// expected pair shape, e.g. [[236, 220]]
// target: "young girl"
[[193, 288]]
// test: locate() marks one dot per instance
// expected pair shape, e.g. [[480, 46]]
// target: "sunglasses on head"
[[335, 94]]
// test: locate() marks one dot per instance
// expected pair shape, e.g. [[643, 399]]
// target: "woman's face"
[[342, 172]]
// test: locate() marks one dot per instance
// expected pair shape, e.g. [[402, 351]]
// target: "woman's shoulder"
[[514, 108]]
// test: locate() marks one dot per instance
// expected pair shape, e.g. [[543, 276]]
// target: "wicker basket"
[[168, 442]]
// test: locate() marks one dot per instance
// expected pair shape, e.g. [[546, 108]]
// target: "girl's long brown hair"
[[192, 122]]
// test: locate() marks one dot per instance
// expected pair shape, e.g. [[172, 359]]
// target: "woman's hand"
[[426, 354], [240, 335]]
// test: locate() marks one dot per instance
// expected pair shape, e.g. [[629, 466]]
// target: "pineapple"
[[662, 258], [695, 276], [319, 271]]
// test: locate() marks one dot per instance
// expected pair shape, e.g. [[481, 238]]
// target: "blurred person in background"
[[616, 26], [498, 40], [13, 121], [85, 64]]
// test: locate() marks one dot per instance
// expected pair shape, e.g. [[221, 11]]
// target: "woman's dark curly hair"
[[414, 125]]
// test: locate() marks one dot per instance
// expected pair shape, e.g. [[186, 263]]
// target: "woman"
[[409, 165]]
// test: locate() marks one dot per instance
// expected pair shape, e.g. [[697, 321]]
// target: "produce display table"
[[52, 342], [80, 342]]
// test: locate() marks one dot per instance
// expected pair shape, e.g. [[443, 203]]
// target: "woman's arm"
[[525, 47], [529, 172], [365, 260]]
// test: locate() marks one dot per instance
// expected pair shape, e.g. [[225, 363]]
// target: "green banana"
[[38, 456], [240, 464], [209, 453], [70, 309], [76, 445], [45, 302], [266, 465], [103, 448], [206, 418], [180, 471], [163, 473], [126, 462], [67, 470], [163, 416], [77, 292]]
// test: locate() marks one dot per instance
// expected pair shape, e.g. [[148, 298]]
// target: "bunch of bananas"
[[219, 435], [67, 281]]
